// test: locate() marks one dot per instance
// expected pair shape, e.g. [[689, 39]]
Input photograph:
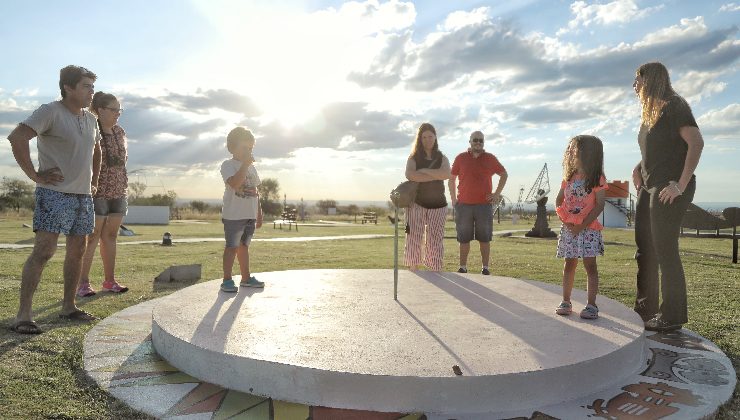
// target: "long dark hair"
[[655, 92], [590, 151], [102, 100], [417, 151]]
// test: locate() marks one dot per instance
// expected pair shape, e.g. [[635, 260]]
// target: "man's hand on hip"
[[493, 198], [51, 176]]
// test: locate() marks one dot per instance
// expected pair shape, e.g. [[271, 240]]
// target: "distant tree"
[[325, 205], [16, 194], [353, 209], [269, 191], [199, 206], [171, 198], [136, 189], [168, 199]]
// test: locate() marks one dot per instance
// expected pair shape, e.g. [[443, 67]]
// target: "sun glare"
[[290, 63]]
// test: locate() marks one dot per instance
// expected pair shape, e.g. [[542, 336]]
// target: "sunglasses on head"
[[476, 140]]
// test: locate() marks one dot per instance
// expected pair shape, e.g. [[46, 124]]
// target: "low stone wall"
[[147, 215]]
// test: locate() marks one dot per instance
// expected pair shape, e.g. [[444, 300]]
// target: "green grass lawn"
[[12, 230], [43, 377]]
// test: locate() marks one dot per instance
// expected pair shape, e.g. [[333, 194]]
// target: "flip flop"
[[26, 327], [78, 315]]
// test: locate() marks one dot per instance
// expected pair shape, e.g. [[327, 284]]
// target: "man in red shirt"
[[473, 198]]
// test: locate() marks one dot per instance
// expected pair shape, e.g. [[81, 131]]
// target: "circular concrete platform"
[[336, 338]]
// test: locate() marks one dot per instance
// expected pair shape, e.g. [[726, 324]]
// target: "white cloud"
[[687, 28], [26, 92], [459, 19], [555, 49], [370, 16], [695, 85], [491, 58], [730, 7], [529, 142], [8, 104], [169, 136], [721, 124], [346, 141], [531, 156], [616, 12]]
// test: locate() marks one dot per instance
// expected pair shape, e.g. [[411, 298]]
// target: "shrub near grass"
[[43, 377]]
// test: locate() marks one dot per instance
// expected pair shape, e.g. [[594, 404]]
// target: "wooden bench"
[[369, 217], [288, 217], [700, 219]]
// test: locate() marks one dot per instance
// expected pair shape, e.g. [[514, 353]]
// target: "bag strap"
[[439, 158]]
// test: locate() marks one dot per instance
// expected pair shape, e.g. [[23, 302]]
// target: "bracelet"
[[677, 188]]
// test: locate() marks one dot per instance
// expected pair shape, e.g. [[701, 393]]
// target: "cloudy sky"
[[334, 91]]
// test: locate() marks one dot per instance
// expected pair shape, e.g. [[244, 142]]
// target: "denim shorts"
[[58, 212], [474, 222], [105, 206], [238, 232]]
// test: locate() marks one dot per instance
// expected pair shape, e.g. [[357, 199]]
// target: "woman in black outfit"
[[670, 145]]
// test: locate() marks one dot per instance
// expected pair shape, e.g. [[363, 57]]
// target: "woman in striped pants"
[[429, 167]]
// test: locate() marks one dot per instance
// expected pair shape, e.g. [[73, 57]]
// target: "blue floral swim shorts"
[[58, 212]]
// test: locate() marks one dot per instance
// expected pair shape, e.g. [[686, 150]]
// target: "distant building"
[[147, 215], [617, 205]]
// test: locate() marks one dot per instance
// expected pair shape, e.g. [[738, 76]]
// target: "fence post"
[[395, 257], [732, 215]]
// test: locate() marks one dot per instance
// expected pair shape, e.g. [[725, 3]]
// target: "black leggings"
[[657, 228]]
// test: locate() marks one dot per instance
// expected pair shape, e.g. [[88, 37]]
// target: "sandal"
[[565, 308], [26, 327], [78, 315], [590, 312]]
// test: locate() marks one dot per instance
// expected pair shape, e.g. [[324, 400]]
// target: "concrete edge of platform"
[[687, 376], [307, 385]]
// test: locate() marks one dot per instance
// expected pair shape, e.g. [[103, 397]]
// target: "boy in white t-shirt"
[[241, 213]]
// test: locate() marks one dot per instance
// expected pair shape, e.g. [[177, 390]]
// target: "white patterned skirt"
[[588, 243]]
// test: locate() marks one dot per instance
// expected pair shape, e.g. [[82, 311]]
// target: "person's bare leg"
[[569, 275], [44, 246], [108, 238], [485, 253], [229, 255], [75, 249], [592, 271], [242, 254], [92, 244], [464, 251]]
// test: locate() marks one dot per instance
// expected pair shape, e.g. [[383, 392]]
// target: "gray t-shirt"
[[65, 141]]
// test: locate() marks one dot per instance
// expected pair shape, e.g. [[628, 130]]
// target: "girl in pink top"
[[579, 203]]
